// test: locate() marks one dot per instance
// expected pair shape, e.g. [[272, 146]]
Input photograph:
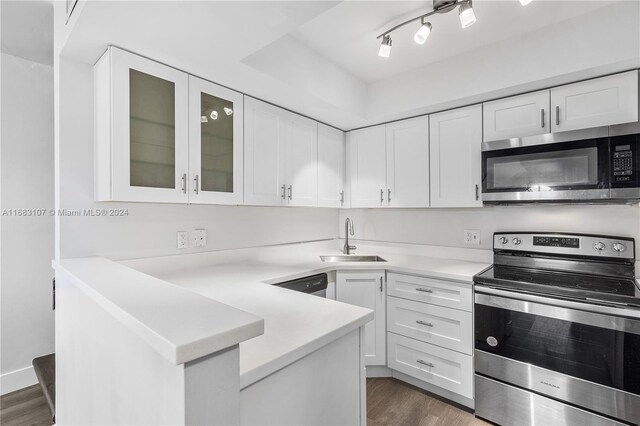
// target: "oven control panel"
[[560, 243], [556, 241]]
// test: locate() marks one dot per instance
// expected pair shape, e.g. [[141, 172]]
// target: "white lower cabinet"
[[441, 367], [367, 289], [432, 291], [430, 331], [446, 327]]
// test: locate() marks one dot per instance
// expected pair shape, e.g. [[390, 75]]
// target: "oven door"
[[548, 171], [555, 348]]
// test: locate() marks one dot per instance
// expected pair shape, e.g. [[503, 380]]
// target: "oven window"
[[573, 167], [600, 355]]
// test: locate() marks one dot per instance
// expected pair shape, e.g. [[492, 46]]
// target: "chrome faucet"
[[348, 229]]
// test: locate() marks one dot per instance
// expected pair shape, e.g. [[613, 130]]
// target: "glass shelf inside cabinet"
[[216, 135], [151, 131]]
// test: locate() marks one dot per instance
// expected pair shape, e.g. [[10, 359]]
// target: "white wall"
[[26, 153], [603, 41], [444, 227], [150, 229]]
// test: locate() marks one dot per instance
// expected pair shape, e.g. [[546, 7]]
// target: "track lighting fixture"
[[467, 17], [385, 46], [465, 12], [423, 32], [214, 115], [227, 111]]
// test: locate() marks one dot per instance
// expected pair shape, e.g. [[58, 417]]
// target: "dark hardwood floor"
[[392, 402], [25, 407], [389, 403]]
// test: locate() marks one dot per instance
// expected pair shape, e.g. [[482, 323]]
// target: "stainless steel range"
[[557, 331]]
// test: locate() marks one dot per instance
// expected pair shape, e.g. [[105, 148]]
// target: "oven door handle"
[[612, 318]]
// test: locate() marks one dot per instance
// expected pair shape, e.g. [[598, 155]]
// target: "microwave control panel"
[[625, 159]]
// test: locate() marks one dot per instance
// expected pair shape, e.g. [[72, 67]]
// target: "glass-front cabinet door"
[[149, 129], [215, 143]]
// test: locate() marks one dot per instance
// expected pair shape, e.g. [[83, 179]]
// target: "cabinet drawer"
[[441, 367], [446, 327], [429, 290]]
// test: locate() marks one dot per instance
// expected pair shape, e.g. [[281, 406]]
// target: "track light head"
[[423, 33], [385, 46], [467, 16]]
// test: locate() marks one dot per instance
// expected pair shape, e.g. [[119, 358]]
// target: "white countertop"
[[295, 324], [179, 324]]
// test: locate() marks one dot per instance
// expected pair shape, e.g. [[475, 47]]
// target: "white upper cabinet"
[[263, 146], [599, 102], [331, 167], [367, 167], [407, 145], [300, 160], [281, 156], [455, 152], [517, 116], [215, 143], [367, 289], [141, 130]]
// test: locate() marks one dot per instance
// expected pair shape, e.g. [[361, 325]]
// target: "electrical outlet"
[[471, 236], [182, 239], [200, 237]]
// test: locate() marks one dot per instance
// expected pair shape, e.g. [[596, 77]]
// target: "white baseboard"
[[18, 379], [378, 371], [469, 403]]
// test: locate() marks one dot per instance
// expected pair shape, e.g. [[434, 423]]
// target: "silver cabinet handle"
[[184, 183], [428, 324], [282, 194], [342, 197], [389, 195], [542, 118], [477, 192], [557, 115], [424, 290], [380, 284], [428, 364], [290, 192], [196, 181], [382, 196]]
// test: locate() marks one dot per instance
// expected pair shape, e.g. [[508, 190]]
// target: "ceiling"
[[27, 29], [320, 58], [346, 34]]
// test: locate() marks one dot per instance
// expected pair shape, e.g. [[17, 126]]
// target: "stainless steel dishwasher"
[[314, 284]]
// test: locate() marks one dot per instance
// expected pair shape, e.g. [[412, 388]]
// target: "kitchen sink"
[[351, 258]]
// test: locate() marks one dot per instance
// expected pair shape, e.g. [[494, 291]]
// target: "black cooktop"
[[591, 288]]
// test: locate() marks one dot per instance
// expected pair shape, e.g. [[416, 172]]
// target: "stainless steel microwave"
[[600, 164]]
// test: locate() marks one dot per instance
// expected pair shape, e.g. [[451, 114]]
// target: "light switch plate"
[[200, 237], [182, 239], [471, 236]]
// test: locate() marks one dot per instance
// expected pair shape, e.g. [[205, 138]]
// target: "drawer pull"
[[424, 290], [428, 364], [428, 324]]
